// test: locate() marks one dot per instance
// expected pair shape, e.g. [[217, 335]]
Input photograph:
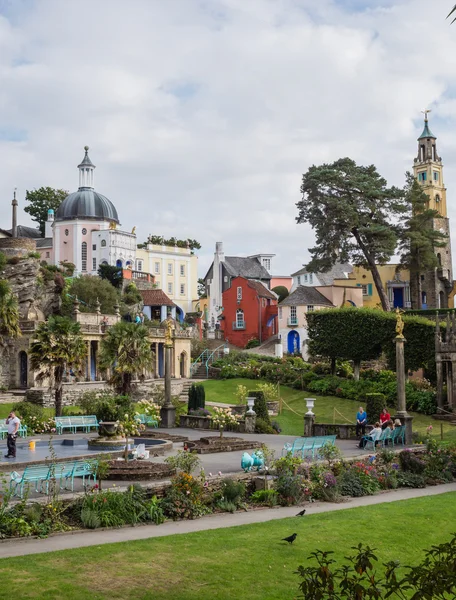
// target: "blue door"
[[398, 297], [294, 345], [161, 360], [93, 361]]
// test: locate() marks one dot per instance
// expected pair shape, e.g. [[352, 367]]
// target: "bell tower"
[[428, 170]]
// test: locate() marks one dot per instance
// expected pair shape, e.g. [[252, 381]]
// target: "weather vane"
[[425, 113]]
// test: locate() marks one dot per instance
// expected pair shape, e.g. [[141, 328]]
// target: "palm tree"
[[453, 10], [58, 346], [9, 313], [125, 350]]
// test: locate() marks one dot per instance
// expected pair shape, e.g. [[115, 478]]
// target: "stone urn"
[[108, 428]]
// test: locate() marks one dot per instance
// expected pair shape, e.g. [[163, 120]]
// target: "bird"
[[290, 539], [302, 513]]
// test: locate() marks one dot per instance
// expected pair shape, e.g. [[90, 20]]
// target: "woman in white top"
[[373, 435]]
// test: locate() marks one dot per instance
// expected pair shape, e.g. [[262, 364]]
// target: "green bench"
[[308, 446], [147, 420], [84, 422], [41, 475], [388, 436], [4, 429]]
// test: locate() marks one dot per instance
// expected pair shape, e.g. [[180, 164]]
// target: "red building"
[[249, 312]]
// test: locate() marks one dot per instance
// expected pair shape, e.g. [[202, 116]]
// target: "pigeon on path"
[[302, 513], [290, 539]]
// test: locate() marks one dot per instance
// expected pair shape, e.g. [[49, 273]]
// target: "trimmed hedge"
[[196, 397], [375, 403], [260, 407]]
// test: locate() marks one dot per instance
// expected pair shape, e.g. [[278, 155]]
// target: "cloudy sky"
[[202, 115]]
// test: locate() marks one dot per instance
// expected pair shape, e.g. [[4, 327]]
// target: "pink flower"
[[205, 484], [219, 472], [210, 474]]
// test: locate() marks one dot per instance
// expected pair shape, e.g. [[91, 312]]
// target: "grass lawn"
[[222, 390], [248, 562]]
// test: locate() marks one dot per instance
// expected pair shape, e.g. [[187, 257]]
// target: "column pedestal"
[[168, 412], [250, 422], [309, 420], [402, 413]]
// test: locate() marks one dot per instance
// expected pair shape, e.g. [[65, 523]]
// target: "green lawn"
[[222, 390], [248, 562]]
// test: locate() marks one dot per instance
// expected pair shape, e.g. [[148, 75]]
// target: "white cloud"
[[202, 115]]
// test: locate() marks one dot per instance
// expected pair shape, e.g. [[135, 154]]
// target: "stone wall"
[[72, 392], [17, 246]]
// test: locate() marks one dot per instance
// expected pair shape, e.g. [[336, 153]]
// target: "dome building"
[[84, 229]]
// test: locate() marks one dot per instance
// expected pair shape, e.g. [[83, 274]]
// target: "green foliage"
[[330, 453], [112, 274], [88, 290], [265, 497], [184, 499], [9, 313], [411, 480], [159, 240], [105, 405], [281, 292], [411, 463], [3, 260], [375, 403], [132, 295], [434, 577], [196, 397], [201, 289], [57, 348], [40, 201], [125, 349], [354, 216], [363, 333], [185, 462], [260, 406], [233, 491], [289, 488], [34, 416], [261, 426], [252, 343]]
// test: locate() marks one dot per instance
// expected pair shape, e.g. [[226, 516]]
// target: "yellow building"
[[175, 271], [396, 284]]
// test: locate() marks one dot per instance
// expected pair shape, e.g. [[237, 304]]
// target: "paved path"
[[24, 547]]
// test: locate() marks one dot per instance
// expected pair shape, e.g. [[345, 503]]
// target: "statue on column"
[[399, 324], [169, 333]]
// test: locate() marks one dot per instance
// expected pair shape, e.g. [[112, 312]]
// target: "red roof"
[[155, 298], [261, 289]]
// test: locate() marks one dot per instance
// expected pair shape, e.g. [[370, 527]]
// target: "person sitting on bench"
[[372, 436]]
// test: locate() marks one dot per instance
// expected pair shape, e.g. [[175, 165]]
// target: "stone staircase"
[[183, 396], [267, 348], [200, 373]]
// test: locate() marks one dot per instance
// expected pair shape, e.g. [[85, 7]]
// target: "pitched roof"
[[261, 289], [337, 271], [44, 243], [305, 295], [427, 133], [155, 298], [250, 268], [25, 232]]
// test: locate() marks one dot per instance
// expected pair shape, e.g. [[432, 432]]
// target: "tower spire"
[[86, 169], [14, 223]]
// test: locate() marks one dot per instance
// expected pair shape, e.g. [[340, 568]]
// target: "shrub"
[[411, 480], [289, 488], [269, 390], [196, 397], [186, 462], [184, 499], [262, 427], [411, 463], [105, 405], [350, 484], [253, 343], [375, 403], [233, 491], [260, 406], [276, 426], [265, 497]]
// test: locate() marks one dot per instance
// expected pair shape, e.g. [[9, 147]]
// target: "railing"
[[238, 325], [292, 321], [206, 358], [140, 275]]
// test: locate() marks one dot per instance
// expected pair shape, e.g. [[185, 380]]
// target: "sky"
[[202, 115]]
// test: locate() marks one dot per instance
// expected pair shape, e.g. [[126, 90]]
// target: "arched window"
[[423, 154], [240, 319], [437, 198], [84, 256], [423, 300], [103, 243]]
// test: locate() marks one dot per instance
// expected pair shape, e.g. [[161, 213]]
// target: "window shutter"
[[369, 289]]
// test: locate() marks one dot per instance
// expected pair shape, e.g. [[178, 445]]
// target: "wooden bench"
[[75, 422], [22, 432], [303, 446], [147, 420]]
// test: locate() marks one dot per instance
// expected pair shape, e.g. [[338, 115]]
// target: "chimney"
[[219, 251], [14, 205]]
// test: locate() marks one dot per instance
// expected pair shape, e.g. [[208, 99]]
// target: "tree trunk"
[[375, 272], [126, 384], [357, 367], [333, 365], [58, 396]]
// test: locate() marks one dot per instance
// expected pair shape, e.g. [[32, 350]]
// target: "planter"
[[108, 428], [194, 422]]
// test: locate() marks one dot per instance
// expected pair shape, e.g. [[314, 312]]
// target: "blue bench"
[[84, 422], [4, 429], [147, 420], [308, 446], [41, 475]]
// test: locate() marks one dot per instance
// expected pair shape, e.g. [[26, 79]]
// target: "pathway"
[[22, 547]]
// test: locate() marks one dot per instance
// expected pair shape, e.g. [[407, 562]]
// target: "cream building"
[[175, 271]]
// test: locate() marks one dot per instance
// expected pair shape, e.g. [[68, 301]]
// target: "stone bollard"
[[250, 422], [309, 420]]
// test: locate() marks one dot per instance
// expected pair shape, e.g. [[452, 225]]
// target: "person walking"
[[13, 427]]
